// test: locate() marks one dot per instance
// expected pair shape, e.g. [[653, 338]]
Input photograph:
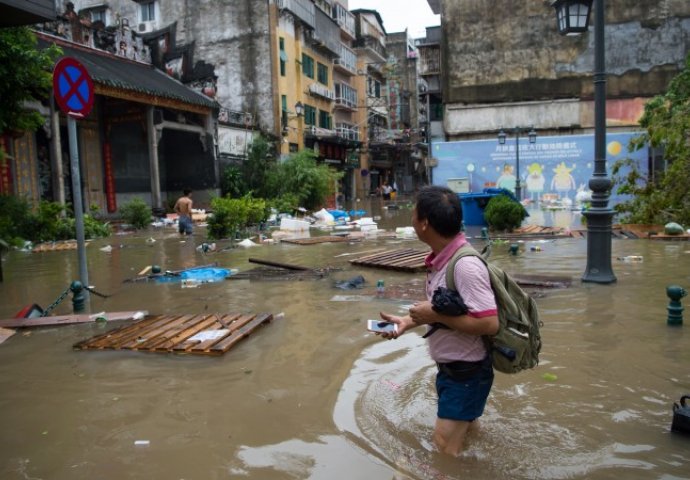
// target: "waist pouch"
[[461, 371]]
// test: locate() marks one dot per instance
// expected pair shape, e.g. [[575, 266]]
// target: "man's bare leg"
[[449, 435]]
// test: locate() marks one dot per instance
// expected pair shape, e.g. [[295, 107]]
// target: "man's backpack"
[[517, 344]]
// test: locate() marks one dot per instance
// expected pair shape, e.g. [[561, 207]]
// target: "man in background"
[[183, 208]]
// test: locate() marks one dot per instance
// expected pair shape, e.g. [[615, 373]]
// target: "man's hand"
[[403, 323], [422, 313]]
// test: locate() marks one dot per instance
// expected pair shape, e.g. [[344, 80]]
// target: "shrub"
[[136, 213], [232, 182], [286, 203], [503, 213], [230, 215]]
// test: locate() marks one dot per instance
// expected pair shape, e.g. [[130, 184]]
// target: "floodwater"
[[312, 395]]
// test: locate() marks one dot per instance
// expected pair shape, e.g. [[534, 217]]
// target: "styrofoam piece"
[[293, 224]]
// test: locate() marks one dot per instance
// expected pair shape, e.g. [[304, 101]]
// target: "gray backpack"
[[517, 344]]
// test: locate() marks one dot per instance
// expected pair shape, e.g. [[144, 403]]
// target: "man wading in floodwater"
[[183, 207], [465, 373]]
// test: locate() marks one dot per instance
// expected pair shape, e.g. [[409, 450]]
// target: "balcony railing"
[[348, 132], [302, 9], [429, 62], [345, 19], [321, 91], [347, 60], [345, 96]]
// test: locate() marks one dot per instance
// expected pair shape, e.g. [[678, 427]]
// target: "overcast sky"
[[397, 15]]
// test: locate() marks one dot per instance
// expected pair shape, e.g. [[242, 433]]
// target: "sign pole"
[[77, 200], [74, 93]]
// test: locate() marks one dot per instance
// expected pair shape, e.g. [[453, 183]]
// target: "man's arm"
[[422, 313]]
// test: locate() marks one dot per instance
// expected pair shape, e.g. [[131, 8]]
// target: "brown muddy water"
[[314, 396]]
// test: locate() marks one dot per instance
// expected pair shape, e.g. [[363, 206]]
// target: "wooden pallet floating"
[[315, 240], [208, 334], [404, 259]]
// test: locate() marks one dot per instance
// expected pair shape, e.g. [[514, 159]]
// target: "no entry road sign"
[[73, 88]]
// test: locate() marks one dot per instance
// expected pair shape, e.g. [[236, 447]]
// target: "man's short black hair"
[[440, 206], [187, 191]]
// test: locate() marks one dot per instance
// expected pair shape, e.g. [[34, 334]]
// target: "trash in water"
[[535, 248], [107, 249], [138, 316], [354, 282], [550, 377], [142, 443], [631, 258]]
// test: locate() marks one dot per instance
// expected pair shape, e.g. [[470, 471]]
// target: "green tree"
[[301, 176], [257, 167], [666, 120], [25, 74]]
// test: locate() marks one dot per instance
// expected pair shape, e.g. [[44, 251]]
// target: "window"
[[98, 16], [283, 58], [374, 88], [148, 11], [309, 115], [325, 120], [283, 102], [322, 73], [307, 65]]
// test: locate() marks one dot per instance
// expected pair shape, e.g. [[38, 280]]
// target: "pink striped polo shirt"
[[473, 284]]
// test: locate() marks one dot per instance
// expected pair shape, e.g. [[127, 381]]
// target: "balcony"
[[345, 20], [318, 90], [326, 34], [345, 97], [347, 61], [373, 45], [304, 10], [348, 132], [429, 62]]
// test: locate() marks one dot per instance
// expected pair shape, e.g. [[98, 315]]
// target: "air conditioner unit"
[[145, 27]]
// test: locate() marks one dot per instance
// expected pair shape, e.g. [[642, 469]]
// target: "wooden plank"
[[229, 322], [125, 334], [315, 240], [93, 342], [277, 264], [147, 339], [205, 322], [66, 319], [244, 331], [5, 333]]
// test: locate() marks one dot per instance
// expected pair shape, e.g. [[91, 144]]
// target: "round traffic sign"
[[73, 88]]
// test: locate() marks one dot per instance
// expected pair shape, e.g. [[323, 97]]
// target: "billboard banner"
[[553, 170]]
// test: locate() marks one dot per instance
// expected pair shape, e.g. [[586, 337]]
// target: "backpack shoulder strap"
[[465, 251]]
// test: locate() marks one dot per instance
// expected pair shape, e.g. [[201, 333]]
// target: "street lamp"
[[532, 136], [572, 18]]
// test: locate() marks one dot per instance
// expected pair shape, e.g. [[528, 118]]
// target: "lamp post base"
[[599, 268]]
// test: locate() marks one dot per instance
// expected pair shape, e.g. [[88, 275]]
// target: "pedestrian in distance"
[[386, 191], [465, 373], [183, 208]]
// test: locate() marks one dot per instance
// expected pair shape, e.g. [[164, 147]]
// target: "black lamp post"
[[573, 18], [532, 135]]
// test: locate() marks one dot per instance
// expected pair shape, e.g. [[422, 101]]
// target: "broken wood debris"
[[57, 246], [208, 334], [315, 240], [404, 259], [69, 319]]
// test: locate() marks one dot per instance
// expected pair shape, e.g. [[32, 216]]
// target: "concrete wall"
[[514, 69], [511, 51]]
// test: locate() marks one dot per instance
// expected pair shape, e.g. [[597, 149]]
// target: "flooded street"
[[313, 395]]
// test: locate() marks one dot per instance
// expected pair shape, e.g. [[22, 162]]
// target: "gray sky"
[[397, 15]]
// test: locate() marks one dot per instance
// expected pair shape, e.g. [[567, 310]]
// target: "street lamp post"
[[532, 135], [573, 18]]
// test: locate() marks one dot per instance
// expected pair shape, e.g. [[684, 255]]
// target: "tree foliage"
[[666, 121], [25, 74]]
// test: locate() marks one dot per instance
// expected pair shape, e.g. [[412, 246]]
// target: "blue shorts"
[[465, 399], [184, 224]]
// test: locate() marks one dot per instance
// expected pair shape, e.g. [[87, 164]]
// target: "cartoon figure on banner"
[[535, 181], [507, 180], [563, 182]]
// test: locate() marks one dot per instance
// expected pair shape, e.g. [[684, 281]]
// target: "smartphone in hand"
[[381, 326]]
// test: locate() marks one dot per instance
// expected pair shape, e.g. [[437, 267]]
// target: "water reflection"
[[315, 396]]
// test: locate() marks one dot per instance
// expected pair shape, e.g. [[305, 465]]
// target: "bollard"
[[78, 296], [675, 308], [485, 233], [380, 287], [513, 249], [156, 269]]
